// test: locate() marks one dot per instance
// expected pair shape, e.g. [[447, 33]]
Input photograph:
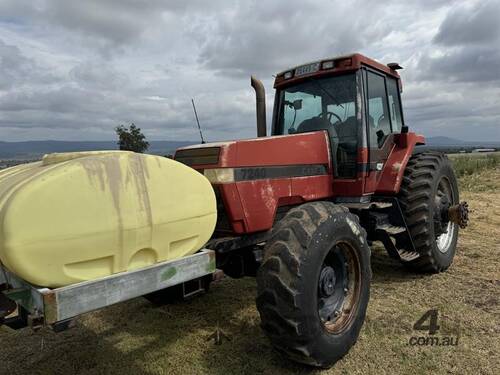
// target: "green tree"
[[131, 138]]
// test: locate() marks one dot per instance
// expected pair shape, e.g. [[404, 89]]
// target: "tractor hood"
[[261, 155], [253, 177]]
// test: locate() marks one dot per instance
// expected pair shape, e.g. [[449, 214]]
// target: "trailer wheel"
[[429, 187], [314, 283]]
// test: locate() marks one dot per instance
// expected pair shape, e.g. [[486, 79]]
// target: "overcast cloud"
[[73, 70]]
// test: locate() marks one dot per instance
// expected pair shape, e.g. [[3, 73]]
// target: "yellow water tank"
[[74, 217]]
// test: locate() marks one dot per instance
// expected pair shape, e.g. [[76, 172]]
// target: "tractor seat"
[[313, 124], [321, 123], [348, 133], [348, 146]]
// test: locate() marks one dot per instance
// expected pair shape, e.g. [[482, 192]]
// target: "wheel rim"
[[444, 240], [444, 190], [339, 288]]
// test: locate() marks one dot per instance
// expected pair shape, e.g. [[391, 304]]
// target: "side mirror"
[[404, 129], [297, 104]]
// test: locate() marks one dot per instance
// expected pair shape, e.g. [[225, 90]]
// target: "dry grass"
[[470, 164], [135, 337]]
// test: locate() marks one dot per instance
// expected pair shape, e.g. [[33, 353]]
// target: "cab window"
[[394, 104], [379, 124], [324, 103], [310, 106]]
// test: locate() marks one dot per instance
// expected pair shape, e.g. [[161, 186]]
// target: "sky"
[[74, 70]]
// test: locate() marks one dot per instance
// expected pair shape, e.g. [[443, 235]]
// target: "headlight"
[[219, 175]]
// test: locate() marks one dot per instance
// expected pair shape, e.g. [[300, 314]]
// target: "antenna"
[[197, 121]]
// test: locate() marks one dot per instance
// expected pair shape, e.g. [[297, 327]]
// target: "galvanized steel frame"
[[56, 305]]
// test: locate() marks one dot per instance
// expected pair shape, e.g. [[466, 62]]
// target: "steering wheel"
[[330, 115]]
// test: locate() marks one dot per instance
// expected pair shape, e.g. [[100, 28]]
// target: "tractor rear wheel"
[[428, 189], [314, 283]]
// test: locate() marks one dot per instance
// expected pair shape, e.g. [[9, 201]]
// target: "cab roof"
[[338, 64]]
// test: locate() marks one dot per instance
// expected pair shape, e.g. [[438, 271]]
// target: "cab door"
[[383, 120]]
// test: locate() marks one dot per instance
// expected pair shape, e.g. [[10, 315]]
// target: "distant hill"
[[447, 141], [31, 150], [35, 149], [443, 141]]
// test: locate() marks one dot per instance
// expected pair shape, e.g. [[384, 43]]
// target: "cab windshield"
[[324, 104]]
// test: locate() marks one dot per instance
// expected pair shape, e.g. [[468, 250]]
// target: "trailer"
[[23, 304]]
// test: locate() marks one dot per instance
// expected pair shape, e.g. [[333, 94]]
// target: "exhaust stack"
[[260, 98]]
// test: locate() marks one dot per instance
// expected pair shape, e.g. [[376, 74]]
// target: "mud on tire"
[[292, 301]]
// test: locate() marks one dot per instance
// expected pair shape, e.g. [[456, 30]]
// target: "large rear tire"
[[428, 181], [314, 283]]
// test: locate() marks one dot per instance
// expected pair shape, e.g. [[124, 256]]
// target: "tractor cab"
[[355, 99]]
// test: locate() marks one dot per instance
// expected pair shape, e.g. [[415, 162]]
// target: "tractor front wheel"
[[314, 283]]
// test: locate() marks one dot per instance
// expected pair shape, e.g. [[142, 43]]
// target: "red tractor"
[[299, 209]]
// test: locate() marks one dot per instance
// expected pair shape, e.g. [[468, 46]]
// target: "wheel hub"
[[441, 214], [446, 215], [445, 212], [338, 287], [459, 214], [327, 281]]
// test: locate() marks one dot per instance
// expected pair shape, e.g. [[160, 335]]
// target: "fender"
[[394, 168]]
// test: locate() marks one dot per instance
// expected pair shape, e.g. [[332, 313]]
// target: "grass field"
[[469, 164], [134, 337]]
